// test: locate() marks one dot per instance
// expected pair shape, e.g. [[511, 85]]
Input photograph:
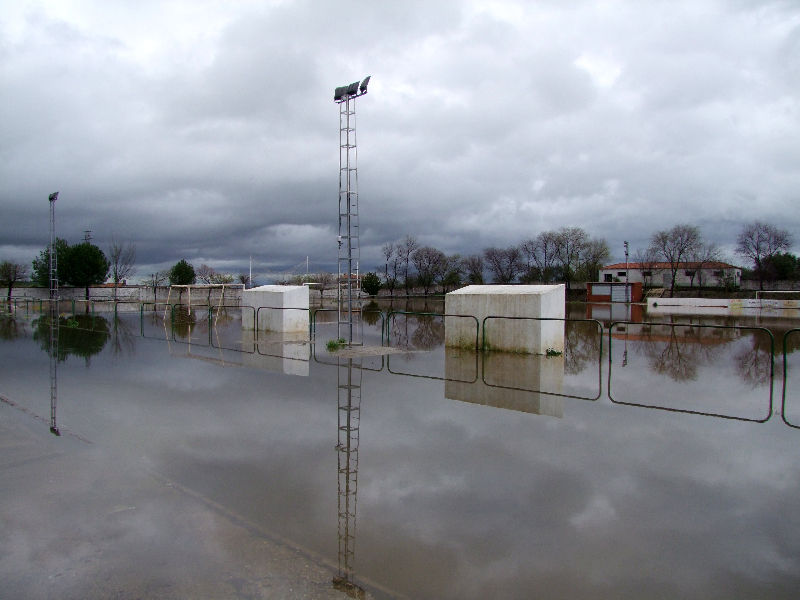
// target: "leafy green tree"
[[182, 273], [782, 266], [85, 265], [371, 284], [41, 265]]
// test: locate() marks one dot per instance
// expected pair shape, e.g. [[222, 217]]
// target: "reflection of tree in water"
[[123, 343], [10, 329], [420, 331], [183, 322], [581, 346], [679, 351], [371, 313], [754, 362], [81, 335], [429, 332]]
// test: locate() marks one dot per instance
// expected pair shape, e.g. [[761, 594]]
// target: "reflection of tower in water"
[[53, 365], [349, 417]]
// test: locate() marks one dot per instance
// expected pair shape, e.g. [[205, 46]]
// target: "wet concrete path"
[[61, 542]]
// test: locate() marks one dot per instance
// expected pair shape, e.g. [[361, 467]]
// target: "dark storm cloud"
[[213, 136]]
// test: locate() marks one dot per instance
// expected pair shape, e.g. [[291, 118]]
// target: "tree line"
[[570, 254], [565, 255], [763, 244]]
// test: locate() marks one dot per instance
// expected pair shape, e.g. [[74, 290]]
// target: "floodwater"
[[653, 459]]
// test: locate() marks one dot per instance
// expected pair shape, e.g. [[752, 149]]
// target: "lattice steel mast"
[[349, 246], [349, 386], [53, 305]]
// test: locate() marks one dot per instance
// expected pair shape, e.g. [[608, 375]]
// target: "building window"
[[719, 273], [608, 277], [689, 273], [621, 273], [647, 273]]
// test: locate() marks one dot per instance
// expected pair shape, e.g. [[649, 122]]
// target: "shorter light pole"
[[627, 289]]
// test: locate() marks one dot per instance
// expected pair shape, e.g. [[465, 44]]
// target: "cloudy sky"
[[207, 130]]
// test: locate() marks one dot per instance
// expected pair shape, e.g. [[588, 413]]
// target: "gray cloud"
[[211, 135]]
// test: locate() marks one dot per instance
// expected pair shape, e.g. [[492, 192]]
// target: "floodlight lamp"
[[352, 89], [340, 92], [363, 88], [53, 197]]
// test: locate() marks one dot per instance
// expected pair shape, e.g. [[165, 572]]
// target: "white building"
[[660, 275]]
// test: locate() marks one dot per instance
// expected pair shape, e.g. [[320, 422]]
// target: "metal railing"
[[689, 411], [565, 321]]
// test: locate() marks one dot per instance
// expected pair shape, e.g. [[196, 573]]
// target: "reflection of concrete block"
[[510, 335], [287, 353], [285, 308], [533, 377]]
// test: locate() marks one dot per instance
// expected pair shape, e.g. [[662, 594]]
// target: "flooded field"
[[652, 459]]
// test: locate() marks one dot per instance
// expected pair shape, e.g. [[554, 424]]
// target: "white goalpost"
[[207, 287]]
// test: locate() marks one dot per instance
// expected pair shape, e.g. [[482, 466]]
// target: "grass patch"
[[334, 345]]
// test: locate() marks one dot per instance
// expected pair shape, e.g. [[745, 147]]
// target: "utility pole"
[[627, 288]]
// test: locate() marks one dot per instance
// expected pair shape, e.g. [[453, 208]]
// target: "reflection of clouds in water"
[[190, 379], [598, 512], [402, 485]]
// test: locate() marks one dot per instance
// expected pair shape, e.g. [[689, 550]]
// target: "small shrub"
[[551, 352], [334, 345], [371, 284]]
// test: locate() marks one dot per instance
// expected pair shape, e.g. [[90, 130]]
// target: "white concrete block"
[[508, 335], [284, 308]]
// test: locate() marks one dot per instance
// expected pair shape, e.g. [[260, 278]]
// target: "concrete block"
[[285, 308], [508, 335], [522, 382]]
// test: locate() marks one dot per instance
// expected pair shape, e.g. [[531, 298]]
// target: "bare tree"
[[570, 244], [205, 274], [244, 279], [221, 278], [391, 266], [505, 264], [704, 257], [450, 272], [123, 262], [675, 246], [594, 255], [541, 252], [648, 260], [428, 262], [760, 241], [473, 267], [11, 272], [405, 249], [155, 280]]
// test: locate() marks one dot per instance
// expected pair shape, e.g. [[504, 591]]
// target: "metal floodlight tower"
[[53, 277], [53, 260], [349, 245]]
